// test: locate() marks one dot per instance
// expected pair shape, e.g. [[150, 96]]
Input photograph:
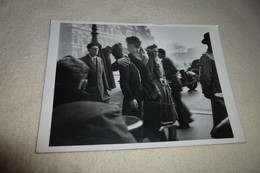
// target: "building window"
[[74, 54], [85, 40]]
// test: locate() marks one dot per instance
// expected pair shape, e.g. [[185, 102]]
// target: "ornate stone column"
[[94, 34]]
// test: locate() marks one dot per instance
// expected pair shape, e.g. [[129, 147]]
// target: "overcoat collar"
[[141, 56], [89, 62]]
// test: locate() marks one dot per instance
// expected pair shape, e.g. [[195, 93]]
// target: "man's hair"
[[70, 71], [90, 45], [151, 47], [161, 51], [134, 40]]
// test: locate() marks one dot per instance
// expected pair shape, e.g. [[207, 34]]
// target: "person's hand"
[[134, 104], [124, 61]]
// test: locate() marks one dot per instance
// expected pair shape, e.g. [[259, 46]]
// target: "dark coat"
[[105, 55], [158, 104], [88, 123], [208, 76], [64, 94], [130, 83], [171, 76], [148, 77], [154, 93], [169, 67], [147, 74], [97, 81], [176, 88], [210, 86]]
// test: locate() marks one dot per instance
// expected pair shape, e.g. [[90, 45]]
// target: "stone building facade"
[[75, 37]]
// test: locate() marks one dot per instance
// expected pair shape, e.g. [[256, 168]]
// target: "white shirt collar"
[[92, 57]]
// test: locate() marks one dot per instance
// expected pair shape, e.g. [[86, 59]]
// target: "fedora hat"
[[206, 39]]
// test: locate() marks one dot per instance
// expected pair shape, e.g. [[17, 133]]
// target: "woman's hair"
[[152, 47], [117, 50], [134, 40], [70, 71]]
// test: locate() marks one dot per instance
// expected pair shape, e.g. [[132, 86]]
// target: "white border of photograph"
[[47, 102]]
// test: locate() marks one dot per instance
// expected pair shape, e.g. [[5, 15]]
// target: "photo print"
[[115, 86]]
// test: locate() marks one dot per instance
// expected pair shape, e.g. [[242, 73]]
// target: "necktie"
[[94, 60]]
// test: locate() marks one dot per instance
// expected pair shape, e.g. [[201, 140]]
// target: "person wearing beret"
[[75, 119]]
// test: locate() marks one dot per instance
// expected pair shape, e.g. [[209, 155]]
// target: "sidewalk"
[[200, 107], [199, 129]]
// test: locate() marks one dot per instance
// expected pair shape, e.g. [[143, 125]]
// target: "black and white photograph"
[[112, 86]]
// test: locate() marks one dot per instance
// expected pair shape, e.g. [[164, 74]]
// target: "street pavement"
[[200, 107]]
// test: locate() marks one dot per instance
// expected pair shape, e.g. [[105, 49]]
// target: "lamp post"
[[94, 34]]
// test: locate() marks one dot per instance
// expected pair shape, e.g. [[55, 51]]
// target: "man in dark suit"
[[97, 82]]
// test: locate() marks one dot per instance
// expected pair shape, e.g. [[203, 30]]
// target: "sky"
[[189, 36]]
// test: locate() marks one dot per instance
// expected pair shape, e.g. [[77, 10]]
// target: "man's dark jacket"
[[97, 81]]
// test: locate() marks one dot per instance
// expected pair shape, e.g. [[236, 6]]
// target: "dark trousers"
[[181, 109]]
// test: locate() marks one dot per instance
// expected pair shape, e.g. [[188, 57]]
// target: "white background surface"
[[24, 34]]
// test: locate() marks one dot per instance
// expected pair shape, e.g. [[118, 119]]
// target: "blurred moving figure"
[[189, 79], [184, 115]]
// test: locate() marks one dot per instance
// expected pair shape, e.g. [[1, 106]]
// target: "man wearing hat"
[[210, 84], [97, 82], [208, 72], [75, 119]]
